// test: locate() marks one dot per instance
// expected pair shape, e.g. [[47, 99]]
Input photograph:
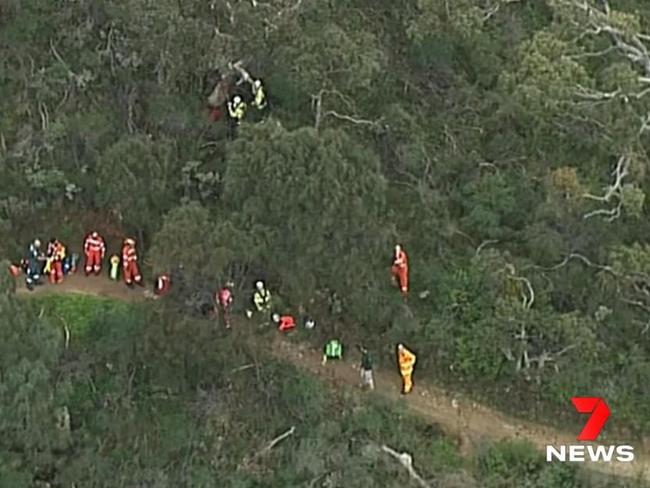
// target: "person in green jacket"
[[333, 350]]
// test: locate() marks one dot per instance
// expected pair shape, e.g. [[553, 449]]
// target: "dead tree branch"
[[248, 459], [317, 103], [277, 440], [637, 303], [245, 75], [56, 54], [621, 171], [546, 356], [353, 120], [406, 460], [489, 165], [527, 299], [629, 44], [484, 244], [614, 190], [570, 257], [243, 368], [491, 11]]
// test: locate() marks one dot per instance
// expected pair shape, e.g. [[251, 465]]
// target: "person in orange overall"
[[285, 322], [56, 254], [130, 263], [95, 250], [163, 284], [406, 360], [400, 269]]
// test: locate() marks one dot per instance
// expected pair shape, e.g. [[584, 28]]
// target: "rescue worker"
[[56, 254], [237, 109], [163, 283], [367, 379], [70, 264], [130, 263], [94, 249], [223, 302], [261, 299], [115, 266], [259, 97], [49, 256], [221, 87], [285, 322], [406, 360], [14, 270], [400, 270], [34, 264], [333, 350]]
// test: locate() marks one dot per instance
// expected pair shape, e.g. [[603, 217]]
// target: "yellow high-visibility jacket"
[[237, 111], [406, 361], [260, 98]]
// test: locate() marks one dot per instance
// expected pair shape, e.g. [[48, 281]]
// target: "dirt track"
[[457, 416]]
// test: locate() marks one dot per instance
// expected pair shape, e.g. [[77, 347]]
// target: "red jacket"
[[92, 244], [287, 322], [225, 297], [162, 284]]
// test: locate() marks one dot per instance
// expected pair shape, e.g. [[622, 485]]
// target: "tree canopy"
[[503, 143]]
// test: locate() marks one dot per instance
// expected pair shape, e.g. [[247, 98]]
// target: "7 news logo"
[[579, 453]]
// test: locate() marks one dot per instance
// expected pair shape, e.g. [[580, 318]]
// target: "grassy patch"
[[77, 312]]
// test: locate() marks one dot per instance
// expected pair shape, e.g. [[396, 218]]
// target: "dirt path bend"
[[456, 415]]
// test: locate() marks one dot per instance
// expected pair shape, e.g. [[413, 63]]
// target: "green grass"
[[77, 312]]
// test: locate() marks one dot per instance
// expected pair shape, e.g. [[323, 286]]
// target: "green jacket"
[[334, 349]]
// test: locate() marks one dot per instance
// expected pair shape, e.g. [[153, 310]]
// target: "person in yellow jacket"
[[259, 97], [115, 266], [406, 360], [237, 109]]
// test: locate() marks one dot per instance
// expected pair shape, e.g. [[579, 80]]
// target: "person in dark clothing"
[[367, 379]]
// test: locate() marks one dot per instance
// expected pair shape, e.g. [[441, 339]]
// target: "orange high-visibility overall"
[[400, 271], [130, 265]]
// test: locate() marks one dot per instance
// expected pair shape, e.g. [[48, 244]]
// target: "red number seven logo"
[[599, 414]]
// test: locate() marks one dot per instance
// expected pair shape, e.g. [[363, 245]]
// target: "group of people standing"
[[56, 262], [95, 252], [333, 349]]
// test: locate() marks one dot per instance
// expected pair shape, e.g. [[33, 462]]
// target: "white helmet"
[[276, 317], [309, 324], [129, 241], [398, 248], [37, 243], [259, 285], [257, 83], [95, 234], [236, 100]]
